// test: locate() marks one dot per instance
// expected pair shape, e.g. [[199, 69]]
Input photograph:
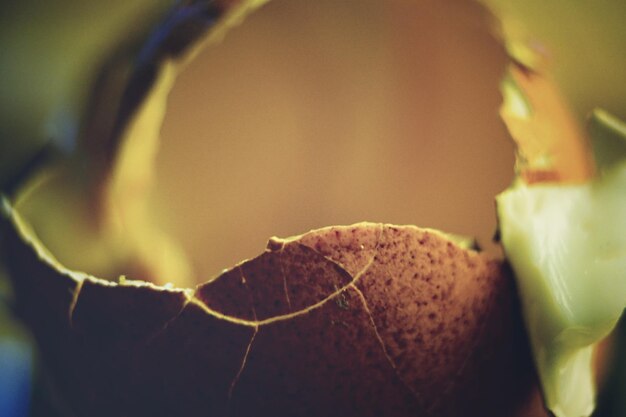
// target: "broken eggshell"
[[362, 320]]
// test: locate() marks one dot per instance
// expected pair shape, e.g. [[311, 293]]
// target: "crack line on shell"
[[282, 271], [244, 281], [75, 295], [254, 323], [167, 324], [380, 227], [383, 346], [243, 365]]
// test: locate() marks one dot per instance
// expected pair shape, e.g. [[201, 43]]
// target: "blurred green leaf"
[[581, 43], [52, 53], [608, 137]]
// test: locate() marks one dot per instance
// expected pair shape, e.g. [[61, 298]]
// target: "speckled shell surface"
[[362, 320]]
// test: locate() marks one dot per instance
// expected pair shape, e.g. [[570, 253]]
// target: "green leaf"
[[608, 139], [580, 43], [567, 246], [48, 73]]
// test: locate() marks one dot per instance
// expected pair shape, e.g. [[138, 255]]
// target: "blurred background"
[[317, 113]]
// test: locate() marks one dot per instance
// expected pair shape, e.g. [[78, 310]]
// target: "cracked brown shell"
[[363, 320]]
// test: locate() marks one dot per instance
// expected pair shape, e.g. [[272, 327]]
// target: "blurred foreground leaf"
[[563, 231], [580, 43], [52, 55]]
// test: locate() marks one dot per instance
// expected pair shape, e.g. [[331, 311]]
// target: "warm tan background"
[[324, 112]]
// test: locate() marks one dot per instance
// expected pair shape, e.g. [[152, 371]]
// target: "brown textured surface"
[[310, 277], [444, 295], [365, 320], [325, 363], [228, 294]]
